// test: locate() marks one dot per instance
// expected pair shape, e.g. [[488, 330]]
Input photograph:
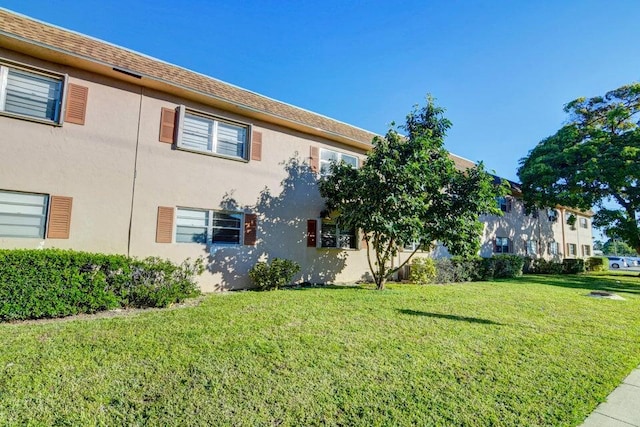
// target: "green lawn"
[[532, 351]]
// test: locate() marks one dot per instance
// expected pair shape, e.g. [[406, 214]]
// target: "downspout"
[[135, 173]]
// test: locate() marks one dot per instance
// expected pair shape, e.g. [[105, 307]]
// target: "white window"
[[552, 214], [208, 227], [329, 156], [554, 248], [412, 246], [571, 249], [212, 135], [583, 223], [502, 245], [532, 247], [586, 250], [334, 236], [23, 214], [504, 203], [30, 94]]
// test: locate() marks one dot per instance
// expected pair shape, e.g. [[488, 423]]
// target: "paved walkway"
[[622, 408]]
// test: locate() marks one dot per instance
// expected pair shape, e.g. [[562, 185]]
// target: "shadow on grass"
[[610, 283], [450, 317]]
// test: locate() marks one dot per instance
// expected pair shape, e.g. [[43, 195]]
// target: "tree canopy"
[[592, 161], [409, 191], [614, 247]]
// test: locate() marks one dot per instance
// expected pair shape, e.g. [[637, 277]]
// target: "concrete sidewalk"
[[622, 408]]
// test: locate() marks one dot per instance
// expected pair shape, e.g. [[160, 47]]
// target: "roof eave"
[[64, 57]]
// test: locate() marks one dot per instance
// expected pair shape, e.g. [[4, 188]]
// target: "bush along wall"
[[460, 269], [55, 283], [597, 263]]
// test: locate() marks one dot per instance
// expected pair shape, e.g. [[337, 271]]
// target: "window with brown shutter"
[[164, 227], [312, 233], [167, 125], [256, 146], [59, 224], [314, 158], [250, 229], [76, 108]]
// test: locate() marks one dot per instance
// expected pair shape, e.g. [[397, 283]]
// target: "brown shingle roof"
[[33, 32], [78, 45]]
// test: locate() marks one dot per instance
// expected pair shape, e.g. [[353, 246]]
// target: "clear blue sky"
[[502, 69]]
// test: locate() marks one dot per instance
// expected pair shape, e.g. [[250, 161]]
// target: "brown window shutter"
[[76, 108], [164, 227], [250, 229], [256, 146], [167, 125], [314, 159], [59, 223], [312, 233]]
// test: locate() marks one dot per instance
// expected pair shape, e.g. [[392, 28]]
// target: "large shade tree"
[[592, 161], [409, 191]]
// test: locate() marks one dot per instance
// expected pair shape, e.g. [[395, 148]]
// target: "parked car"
[[617, 262], [632, 261]]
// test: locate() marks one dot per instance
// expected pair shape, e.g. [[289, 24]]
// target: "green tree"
[[408, 190], [594, 160], [614, 247]]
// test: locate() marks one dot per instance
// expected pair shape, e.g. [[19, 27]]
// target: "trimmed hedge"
[[55, 283], [459, 269], [597, 263], [573, 266]]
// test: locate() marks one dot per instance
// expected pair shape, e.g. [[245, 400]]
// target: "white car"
[[617, 262], [632, 261]]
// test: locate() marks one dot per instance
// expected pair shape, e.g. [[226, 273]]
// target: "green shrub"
[[573, 266], [157, 282], [468, 269], [597, 264], [444, 271], [275, 275], [423, 271], [54, 283], [542, 266], [503, 267]]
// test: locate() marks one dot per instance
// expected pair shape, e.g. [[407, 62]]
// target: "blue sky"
[[502, 69]]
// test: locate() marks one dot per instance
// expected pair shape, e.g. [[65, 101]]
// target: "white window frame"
[[502, 246], [554, 248], [337, 234], [584, 223], [5, 66], [210, 227], [532, 247], [339, 156], [410, 247], [572, 249], [505, 201], [183, 111], [43, 217], [586, 250]]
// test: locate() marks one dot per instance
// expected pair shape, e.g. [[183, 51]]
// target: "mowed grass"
[[531, 351]]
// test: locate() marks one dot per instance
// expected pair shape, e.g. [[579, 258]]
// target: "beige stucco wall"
[[91, 163], [280, 189], [116, 158]]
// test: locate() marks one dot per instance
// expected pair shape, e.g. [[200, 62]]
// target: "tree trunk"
[[380, 282]]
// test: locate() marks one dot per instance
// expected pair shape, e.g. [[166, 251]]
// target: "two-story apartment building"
[[107, 150]]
